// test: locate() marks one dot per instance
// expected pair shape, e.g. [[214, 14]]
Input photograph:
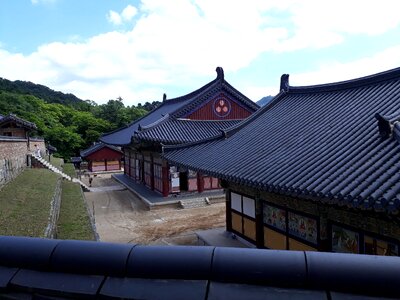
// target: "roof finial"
[[284, 83], [220, 73], [384, 125], [164, 98]]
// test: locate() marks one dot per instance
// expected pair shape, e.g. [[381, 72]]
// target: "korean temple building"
[[101, 157], [13, 126], [318, 168], [198, 115]]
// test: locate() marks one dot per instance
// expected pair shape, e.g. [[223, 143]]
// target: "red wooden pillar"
[[165, 179], [200, 182], [105, 165]]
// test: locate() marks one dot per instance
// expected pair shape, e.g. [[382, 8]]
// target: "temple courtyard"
[[120, 216]]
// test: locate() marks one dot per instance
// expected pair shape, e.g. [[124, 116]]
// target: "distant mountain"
[[265, 100], [42, 92]]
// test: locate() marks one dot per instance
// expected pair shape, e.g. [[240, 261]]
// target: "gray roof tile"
[[178, 131], [178, 108], [20, 121], [97, 147], [317, 141]]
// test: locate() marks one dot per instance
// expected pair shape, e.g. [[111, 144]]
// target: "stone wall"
[[40, 144], [13, 158], [51, 229]]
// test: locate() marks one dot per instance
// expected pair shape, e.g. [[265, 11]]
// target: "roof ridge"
[[208, 121], [133, 122], [195, 92], [13, 117], [97, 146], [168, 101], [251, 118], [244, 98], [162, 120], [185, 145], [351, 83]]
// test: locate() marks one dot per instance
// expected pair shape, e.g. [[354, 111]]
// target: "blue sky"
[[138, 50]]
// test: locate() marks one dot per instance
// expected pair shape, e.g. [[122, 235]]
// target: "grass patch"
[[25, 203], [69, 169], [74, 220], [57, 162]]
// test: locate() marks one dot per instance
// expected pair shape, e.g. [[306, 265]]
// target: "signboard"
[[174, 179]]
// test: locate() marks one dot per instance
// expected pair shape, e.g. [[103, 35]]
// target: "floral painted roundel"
[[222, 107]]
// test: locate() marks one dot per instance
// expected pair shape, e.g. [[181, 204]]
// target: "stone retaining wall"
[[13, 158], [91, 216], [51, 229]]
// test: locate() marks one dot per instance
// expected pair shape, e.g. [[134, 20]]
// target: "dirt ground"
[[121, 217]]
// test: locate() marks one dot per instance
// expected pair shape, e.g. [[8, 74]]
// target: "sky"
[[138, 50]]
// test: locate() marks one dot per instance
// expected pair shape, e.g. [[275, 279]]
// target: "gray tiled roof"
[[178, 108], [97, 147], [177, 131], [33, 268], [14, 118], [317, 142]]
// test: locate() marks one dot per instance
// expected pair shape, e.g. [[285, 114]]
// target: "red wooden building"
[[198, 115], [102, 157]]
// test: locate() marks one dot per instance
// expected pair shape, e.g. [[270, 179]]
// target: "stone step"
[[56, 170], [194, 203]]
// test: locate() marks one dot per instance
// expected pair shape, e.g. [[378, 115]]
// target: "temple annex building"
[[190, 118], [318, 168]]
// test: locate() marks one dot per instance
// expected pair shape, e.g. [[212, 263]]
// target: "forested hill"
[[42, 92], [64, 120], [265, 100]]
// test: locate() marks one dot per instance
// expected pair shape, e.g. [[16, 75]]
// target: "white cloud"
[[320, 24], [337, 71], [114, 17], [129, 12], [179, 42], [125, 16]]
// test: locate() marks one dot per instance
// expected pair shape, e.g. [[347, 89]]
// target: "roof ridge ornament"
[[385, 125], [164, 98], [284, 83], [220, 73]]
